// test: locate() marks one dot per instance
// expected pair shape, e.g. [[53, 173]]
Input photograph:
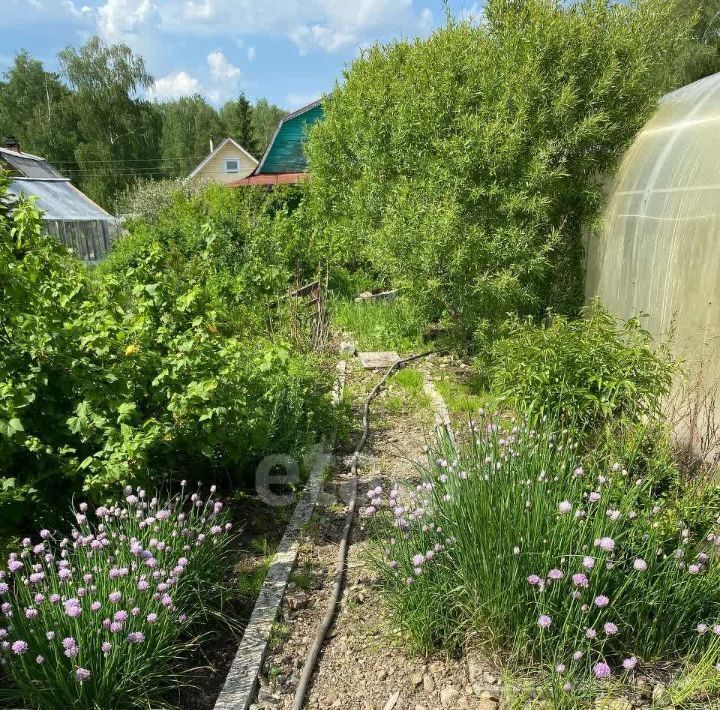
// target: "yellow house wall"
[[215, 168]]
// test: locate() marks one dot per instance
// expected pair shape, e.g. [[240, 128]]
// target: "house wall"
[[215, 168]]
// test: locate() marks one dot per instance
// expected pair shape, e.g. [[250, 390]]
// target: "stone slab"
[[378, 360]]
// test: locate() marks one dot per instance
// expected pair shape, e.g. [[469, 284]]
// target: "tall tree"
[[188, 126], [236, 116], [265, 117], [118, 130], [34, 109]]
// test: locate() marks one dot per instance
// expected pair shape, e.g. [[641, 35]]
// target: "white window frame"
[[227, 165]]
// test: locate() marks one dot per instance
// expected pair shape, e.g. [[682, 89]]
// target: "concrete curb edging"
[[241, 683]]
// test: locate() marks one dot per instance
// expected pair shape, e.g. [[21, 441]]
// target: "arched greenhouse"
[[658, 251]]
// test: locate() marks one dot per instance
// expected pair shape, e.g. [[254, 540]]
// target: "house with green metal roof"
[[284, 160]]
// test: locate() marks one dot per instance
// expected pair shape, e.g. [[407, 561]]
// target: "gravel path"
[[363, 664]]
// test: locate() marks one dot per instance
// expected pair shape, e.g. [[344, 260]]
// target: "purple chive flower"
[[143, 585], [601, 601], [19, 647], [716, 629], [588, 562], [565, 507], [31, 613], [610, 628], [594, 497], [95, 606], [693, 569], [120, 616], [15, 565], [533, 579], [162, 514], [418, 560], [106, 646], [115, 597], [640, 565], [544, 621], [115, 627], [560, 668], [606, 543], [602, 670], [71, 652], [555, 574], [152, 618], [4, 587], [136, 637], [629, 663], [567, 687], [40, 660], [73, 610], [701, 628], [580, 580], [82, 674], [590, 633], [50, 635], [69, 642], [577, 655]]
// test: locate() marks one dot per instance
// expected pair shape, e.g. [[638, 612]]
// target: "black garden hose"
[[326, 623]]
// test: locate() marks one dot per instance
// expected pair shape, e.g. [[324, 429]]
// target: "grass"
[[382, 325], [463, 398]]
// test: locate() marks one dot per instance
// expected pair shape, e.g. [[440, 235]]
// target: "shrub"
[[514, 540], [465, 166], [591, 369], [104, 618], [165, 361]]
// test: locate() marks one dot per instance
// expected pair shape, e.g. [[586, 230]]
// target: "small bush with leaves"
[[590, 369], [102, 618]]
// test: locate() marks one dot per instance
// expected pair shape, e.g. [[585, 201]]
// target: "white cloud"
[[175, 85], [251, 54], [221, 69], [327, 25], [123, 20], [473, 14], [295, 101], [77, 12]]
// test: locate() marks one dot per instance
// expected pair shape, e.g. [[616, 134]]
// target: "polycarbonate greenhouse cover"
[[58, 199], [659, 248]]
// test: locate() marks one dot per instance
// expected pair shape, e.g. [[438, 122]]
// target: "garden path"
[[363, 664]]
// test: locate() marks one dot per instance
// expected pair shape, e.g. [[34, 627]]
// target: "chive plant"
[[584, 574], [103, 618]]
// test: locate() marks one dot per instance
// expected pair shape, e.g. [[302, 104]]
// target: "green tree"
[[118, 131], [188, 126], [700, 57], [236, 116], [265, 118], [34, 109], [465, 166]]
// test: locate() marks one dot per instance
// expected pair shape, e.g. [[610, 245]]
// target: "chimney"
[[11, 144]]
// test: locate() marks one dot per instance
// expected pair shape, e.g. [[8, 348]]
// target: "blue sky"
[[289, 51]]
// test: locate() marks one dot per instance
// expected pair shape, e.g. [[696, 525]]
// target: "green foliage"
[[265, 118], [591, 369], [172, 357], [236, 116], [701, 56], [465, 166], [116, 129], [171, 611], [506, 520], [383, 325]]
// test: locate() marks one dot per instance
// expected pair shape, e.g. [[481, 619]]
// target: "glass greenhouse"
[[658, 251]]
